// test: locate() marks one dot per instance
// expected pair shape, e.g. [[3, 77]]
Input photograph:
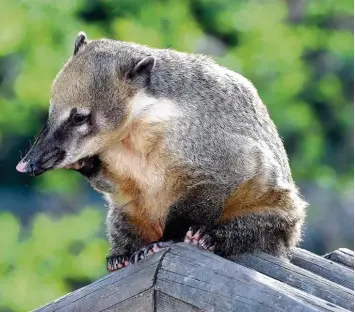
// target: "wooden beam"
[[290, 274], [342, 256], [185, 278], [328, 269]]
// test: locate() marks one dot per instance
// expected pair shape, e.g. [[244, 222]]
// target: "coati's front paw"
[[196, 235], [93, 170], [88, 166], [115, 262], [148, 250]]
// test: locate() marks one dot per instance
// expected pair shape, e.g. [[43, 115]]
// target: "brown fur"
[[247, 198], [131, 194]]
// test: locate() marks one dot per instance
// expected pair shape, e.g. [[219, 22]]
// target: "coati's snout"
[[59, 144], [44, 155]]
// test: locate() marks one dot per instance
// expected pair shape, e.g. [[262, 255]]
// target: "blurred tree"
[[38, 265]]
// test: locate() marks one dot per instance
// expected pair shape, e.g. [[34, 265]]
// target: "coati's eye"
[[79, 119]]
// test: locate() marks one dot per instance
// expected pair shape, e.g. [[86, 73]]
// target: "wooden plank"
[[185, 278], [200, 298], [109, 290], [342, 256], [143, 302], [299, 278], [166, 303], [113, 294], [222, 285], [328, 269], [347, 251]]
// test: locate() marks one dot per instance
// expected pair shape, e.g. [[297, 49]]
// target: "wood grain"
[[185, 278]]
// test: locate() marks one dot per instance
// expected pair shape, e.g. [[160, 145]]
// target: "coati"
[[182, 148]]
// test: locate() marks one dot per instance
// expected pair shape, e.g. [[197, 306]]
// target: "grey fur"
[[227, 139], [223, 139]]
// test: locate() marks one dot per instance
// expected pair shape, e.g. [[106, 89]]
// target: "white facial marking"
[[152, 109], [83, 111], [83, 129], [62, 118]]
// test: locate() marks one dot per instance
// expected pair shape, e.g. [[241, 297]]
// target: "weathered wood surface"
[[299, 278], [328, 269], [184, 278], [342, 256]]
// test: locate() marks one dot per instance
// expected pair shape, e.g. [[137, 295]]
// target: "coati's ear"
[[143, 67], [80, 42]]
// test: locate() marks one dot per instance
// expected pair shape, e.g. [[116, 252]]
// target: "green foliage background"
[[299, 54]]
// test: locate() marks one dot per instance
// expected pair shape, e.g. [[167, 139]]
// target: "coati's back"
[[219, 103]]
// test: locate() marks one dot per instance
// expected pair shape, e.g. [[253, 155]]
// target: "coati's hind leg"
[[197, 236], [273, 232]]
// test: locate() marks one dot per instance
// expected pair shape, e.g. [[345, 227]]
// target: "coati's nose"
[[28, 167], [21, 166]]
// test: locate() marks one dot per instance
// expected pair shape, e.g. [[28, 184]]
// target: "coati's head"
[[88, 102]]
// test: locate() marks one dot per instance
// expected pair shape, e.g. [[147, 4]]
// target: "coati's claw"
[[197, 236], [148, 250], [115, 263]]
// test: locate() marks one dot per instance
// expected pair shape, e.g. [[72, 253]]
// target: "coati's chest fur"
[[138, 167]]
